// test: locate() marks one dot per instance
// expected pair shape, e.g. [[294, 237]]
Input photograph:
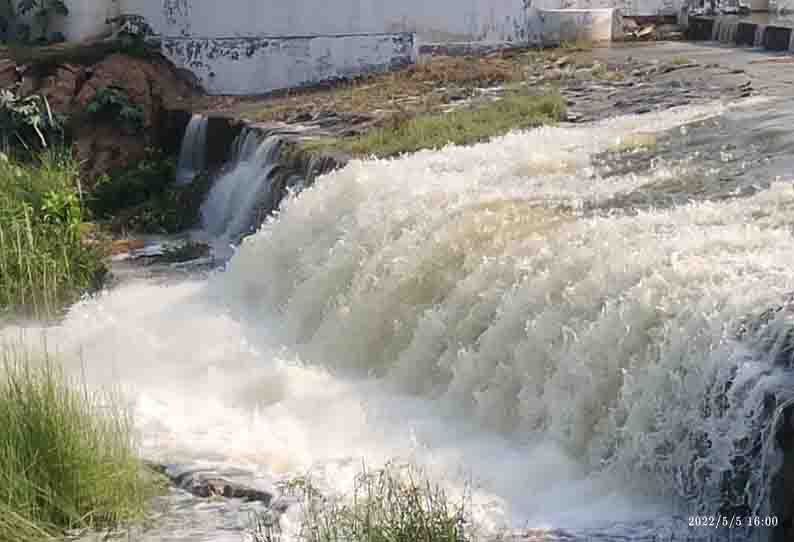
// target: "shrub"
[[44, 263], [28, 123], [67, 460], [113, 103], [392, 504], [145, 198], [12, 29], [132, 186]]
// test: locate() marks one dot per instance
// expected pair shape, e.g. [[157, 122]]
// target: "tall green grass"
[[44, 263], [67, 460], [393, 504]]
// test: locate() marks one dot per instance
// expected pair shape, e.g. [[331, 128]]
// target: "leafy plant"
[[132, 35], [28, 122], [14, 28], [132, 186], [113, 102]]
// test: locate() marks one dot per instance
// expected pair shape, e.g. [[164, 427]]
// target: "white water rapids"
[[459, 310]]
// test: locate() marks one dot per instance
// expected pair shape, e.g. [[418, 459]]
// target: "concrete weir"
[[733, 30]]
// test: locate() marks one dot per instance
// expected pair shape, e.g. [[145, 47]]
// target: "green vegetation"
[[462, 127], [680, 61], [44, 261], [392, 504], [114, 103], [145, 199], [66, 456], [14, 29], [28, 125]]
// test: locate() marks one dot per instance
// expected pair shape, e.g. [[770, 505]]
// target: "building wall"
[[781, 6], [626, 7], [256, 65], [433, 20]]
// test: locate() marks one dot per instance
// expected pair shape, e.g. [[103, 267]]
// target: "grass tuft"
[[462, 127], [392, 504], [67, 460], [44, 263]]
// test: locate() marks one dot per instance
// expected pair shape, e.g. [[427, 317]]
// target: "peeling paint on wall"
[[176, 14], [260, 65], [490, 20]]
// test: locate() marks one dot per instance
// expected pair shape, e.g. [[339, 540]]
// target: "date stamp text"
[[730, 522]]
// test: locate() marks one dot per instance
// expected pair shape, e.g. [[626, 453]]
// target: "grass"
[[67, 460], [680, 61], [414, 89], [392, 504], [44, 263], [462, 127]]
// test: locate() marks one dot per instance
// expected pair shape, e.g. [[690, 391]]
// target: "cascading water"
[[229, 209], [491, 314], [192, 156]]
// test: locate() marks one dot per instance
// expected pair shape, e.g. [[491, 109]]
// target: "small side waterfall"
[[230, 206], [263, 170], [192, 156]]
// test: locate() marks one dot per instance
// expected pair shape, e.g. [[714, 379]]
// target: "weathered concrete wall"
[[571, 25], [436, 20], [626, 7], [781, 6], [433, 21], [263, 64]]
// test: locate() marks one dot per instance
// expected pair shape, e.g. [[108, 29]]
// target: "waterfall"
[[468, 277], [230, 208], [193, 154], [496, 314]]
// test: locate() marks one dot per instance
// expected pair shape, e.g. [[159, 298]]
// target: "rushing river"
[[546, 318]]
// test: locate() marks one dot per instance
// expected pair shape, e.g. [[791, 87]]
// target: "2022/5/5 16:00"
[[729, 522]]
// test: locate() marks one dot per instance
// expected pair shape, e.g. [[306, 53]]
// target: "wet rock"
[[206, 486]]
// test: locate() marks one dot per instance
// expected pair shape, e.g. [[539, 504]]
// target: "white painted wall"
[[442, 20], [259, 65], [781, 6], [626, 7], [572, 25], [433, 20]]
